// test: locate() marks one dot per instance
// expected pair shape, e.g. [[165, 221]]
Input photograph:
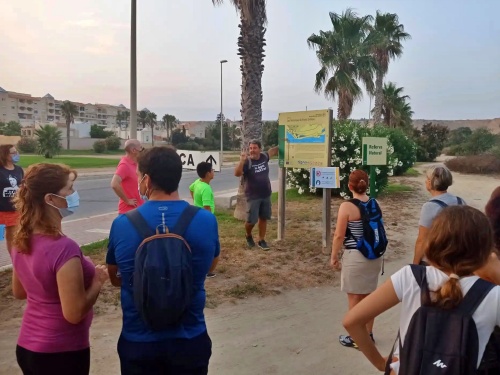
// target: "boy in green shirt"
[[201, 191]]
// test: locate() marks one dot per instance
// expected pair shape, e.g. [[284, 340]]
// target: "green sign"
[[374, 151]]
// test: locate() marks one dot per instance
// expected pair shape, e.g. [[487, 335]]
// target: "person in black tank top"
[[359, 275], [11, 176]]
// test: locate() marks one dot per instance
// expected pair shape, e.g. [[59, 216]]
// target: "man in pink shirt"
[[124, 181]]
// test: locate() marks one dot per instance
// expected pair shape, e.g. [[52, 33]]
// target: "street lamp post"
[[133, 71], [221, 122]]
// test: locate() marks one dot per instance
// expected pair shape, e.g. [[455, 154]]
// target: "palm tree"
[[151, 121], [143, 118], [345, 53], [234, 135], [69, 111], [122, 117], [49, 141], [251, 42], [387, 37], [169, 123], [396, 111]]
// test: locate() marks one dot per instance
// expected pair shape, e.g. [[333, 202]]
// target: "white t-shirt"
[[486, 316]]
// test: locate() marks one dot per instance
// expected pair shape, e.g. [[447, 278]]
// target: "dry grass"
[[478, 164], [294, 263]]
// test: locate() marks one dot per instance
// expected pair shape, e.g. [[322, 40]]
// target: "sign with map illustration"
[[304, 139]]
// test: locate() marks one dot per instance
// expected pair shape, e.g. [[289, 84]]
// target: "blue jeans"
[[169, 357]]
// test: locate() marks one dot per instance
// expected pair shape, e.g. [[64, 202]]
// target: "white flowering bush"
[[405, 148], [346, 154]]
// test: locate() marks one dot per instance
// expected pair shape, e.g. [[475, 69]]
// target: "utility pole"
[[221, 117], [133, 71]]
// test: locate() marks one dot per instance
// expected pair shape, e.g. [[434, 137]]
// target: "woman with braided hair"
[[51, 273]]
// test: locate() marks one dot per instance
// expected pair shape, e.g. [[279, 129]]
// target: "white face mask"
[[143, 197]]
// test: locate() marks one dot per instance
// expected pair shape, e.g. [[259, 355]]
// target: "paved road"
[[99, 204], [97, 198]]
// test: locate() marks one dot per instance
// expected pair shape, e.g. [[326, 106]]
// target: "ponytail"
[[24, 231], [450, 294]]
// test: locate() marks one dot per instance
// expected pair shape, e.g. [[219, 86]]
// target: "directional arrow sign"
[[190, 159]]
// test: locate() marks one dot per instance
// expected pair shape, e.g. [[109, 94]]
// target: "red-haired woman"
[[459, 243], [11, 176], [359, 275], [50, 271]]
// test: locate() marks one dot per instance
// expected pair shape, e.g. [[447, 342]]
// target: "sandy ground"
[[292, 333]]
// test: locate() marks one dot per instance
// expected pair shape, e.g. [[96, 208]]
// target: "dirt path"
[[292, 333]]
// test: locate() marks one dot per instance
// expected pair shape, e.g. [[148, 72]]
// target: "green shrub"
[[113, 143], [99, 147], [97, 131], [430, 141], [27, 145], [346, 154], [190, 145], [405, 148]]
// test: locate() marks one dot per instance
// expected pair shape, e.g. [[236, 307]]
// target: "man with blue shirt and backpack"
[[160, 254]]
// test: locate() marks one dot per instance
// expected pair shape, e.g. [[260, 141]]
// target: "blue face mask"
[[73, 201], [143, 197], [15, 158]]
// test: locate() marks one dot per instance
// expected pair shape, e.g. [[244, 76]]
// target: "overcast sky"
[[80, 51]]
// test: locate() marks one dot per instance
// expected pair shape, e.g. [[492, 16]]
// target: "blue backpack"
[[163, 275], [373, 242]]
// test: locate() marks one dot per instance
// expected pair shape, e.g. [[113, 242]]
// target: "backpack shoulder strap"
[[420, 274], [475, 296], [460, 201], [185, 219], [140, 224], [355, 202], [439, 203]]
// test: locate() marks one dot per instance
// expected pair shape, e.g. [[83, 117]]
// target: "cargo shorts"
[[258, 209]]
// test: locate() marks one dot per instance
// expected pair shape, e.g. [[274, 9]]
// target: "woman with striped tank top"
[[359, 275]]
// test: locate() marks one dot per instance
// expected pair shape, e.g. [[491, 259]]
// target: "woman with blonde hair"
[[459, 243], [438, 179], [11, 176], [359, 275], [50, 271]]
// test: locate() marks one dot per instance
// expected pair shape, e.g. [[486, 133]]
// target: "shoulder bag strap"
[[140, 224], [475, 296], [185, 219], [420, 274]]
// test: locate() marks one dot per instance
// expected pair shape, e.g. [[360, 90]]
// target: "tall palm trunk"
[[379, 97], [68, 132], [251, 50]]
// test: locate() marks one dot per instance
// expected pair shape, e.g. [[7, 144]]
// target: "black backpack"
[[163, 275], [374, 241], [441, 341]]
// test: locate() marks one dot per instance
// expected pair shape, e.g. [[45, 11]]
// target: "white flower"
[[312, 190], [356, 150], [342, 164], [342, 194], [376, 190], [353, 141], [390, 173], [400, 164], [342, 139], [351, 160], [390, 150], [343, 148], [377, 171], [341, 177], [352, 169], [346, 197], [305, 176], [300, 190]]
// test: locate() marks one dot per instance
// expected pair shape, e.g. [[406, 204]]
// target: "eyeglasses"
[[140, 149]]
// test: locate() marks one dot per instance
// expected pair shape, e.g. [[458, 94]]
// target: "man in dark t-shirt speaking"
[[255, 172]]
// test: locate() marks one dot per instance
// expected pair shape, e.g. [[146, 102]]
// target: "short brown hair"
[[4, 154], [459, 241], [358, 181], [40, 179]]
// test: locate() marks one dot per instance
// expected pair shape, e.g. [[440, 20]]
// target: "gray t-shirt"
[[258, 185], [431, 209]]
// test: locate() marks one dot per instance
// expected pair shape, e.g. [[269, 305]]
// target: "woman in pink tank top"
[[51, 273]]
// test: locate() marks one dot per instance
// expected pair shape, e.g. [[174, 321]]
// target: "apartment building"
[[29, 110]]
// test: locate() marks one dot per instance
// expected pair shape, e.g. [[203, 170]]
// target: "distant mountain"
[[493, 125]]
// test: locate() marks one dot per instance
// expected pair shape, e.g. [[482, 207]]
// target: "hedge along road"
[[72, 161]]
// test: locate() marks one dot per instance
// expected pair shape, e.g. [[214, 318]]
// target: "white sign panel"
[[190, 159], [326, 178], [374, 151]]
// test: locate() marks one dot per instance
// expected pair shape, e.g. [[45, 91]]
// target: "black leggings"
[[63, 363]]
